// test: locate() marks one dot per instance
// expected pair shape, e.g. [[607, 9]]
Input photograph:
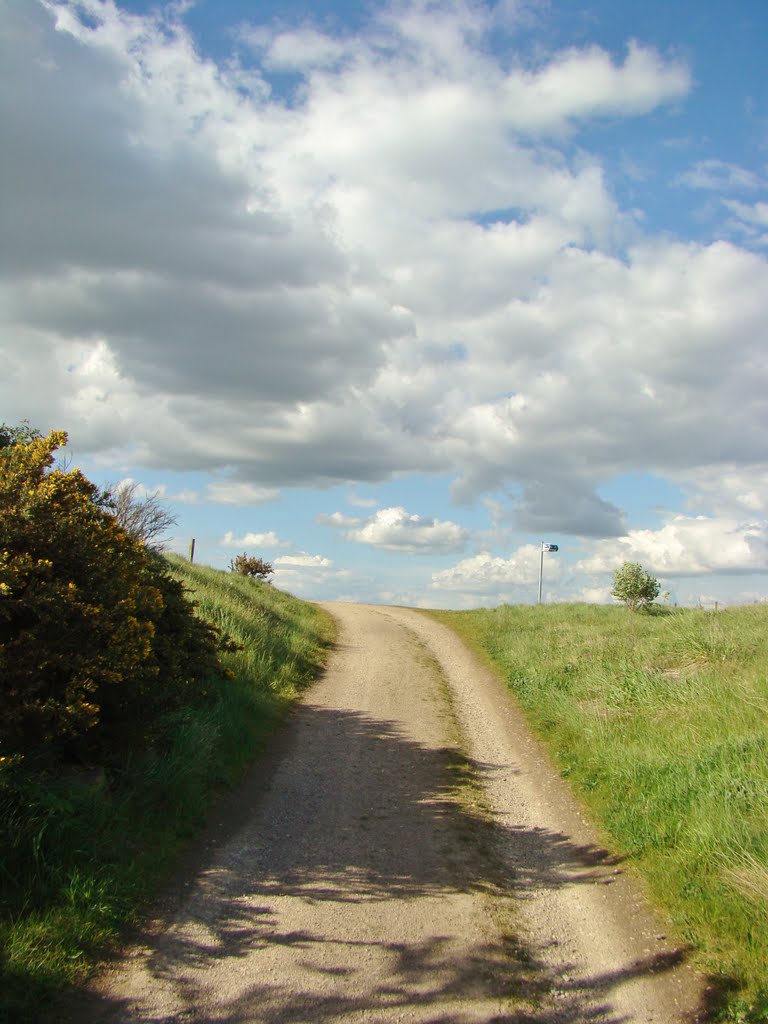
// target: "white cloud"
[[687, 546], [389, 271], [312, 577], [659, 349], [186, 496], [263, 540], [141, 491], [586, 83], [303, 560], [337, 519], [748, 220], [752, 597], [720, 176], [756, 214], [394, 529], [299, 50], [751, 219], [233, 493], [359, 502], [593, 595], [730, 491], [486, 573]]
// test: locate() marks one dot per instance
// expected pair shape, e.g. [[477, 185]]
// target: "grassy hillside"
[[79, 852], [661, 723]]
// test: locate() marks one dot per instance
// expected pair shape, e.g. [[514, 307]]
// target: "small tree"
[[634, 586], [256, 568], [145, 518]]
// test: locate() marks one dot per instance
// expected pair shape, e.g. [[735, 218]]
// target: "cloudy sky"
[[390, 293]]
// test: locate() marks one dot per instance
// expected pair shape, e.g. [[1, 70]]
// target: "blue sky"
[[389, 294]]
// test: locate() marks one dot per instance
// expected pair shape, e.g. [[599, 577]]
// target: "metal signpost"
[[544, 547]]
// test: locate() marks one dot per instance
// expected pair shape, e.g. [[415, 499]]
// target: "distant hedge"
[[97, 640]]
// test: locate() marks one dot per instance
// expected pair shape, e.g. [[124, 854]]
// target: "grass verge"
[[660, 721], [82, 851]]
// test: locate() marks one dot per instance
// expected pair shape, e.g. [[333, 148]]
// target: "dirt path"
[[380, 874]]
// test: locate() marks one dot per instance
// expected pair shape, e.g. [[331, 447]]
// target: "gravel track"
[[405, 854]]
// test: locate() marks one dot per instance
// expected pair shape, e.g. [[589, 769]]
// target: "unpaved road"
[[408, 855]]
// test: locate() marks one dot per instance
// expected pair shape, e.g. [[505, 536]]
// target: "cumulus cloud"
[[233, 493], [187, 496], [487, 572], [648, 368], [303, 560], [394, 529], [134, 224], [405, 265], [564, 504], [298, 50], [360, 502], [587, 83], [687, 546], [268, 540], [593, 595], [337, 519], [306, 574], [729, 491]]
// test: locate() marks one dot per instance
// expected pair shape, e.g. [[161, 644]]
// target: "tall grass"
[[80, 851], [661, 723]]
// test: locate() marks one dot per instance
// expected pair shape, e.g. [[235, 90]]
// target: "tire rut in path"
[[363, 885]]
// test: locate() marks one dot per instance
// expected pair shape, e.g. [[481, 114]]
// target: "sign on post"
[[544, 547]]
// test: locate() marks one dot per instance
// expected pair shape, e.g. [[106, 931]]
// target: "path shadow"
[[352, 812]]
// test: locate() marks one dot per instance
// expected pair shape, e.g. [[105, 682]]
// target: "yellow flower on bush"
[[97, 639]]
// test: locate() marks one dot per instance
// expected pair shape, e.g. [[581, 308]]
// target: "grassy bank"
[[661, 723], [81, 851]]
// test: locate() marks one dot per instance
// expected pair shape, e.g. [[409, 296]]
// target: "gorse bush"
[[122, 708], [80, 850], [96, 637]]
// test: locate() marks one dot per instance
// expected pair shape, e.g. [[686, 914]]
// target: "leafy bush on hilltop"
[[255, 568], [96, 637], [634, 586]]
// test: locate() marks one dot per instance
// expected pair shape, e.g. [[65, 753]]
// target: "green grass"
[[660, 721], [81, 853]]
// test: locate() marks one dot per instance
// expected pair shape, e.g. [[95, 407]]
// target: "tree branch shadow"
[[361, 814]]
